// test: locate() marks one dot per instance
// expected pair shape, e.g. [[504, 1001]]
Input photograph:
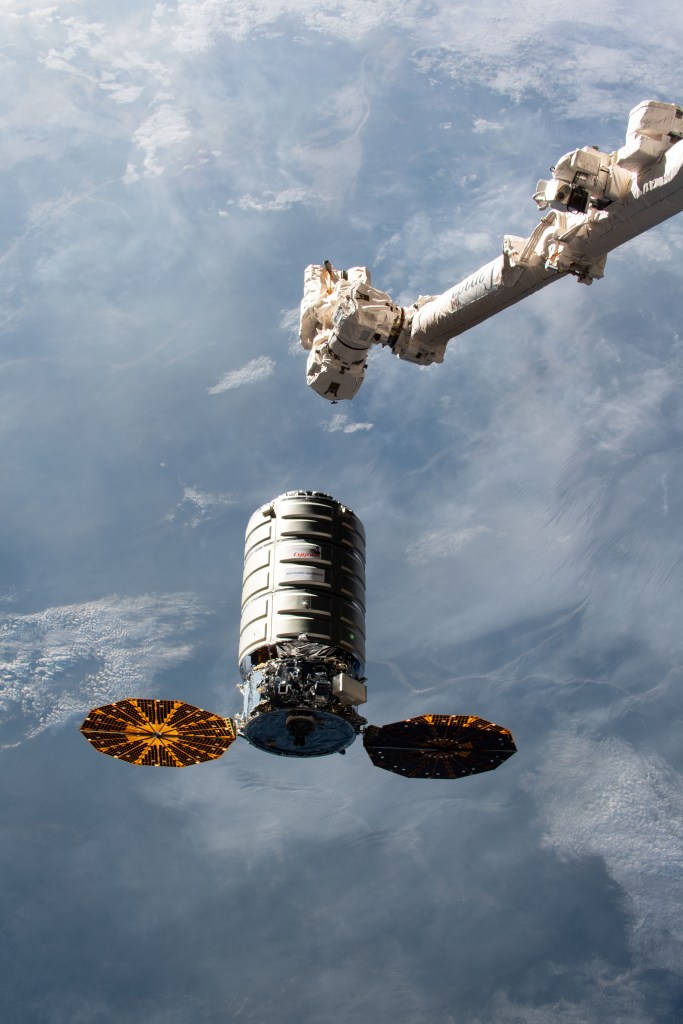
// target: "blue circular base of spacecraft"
[[299, 732]]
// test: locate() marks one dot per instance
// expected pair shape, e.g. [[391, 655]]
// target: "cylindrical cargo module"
[[304, 580]]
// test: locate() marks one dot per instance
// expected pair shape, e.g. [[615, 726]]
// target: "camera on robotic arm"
[[581, 179], [590, 178]]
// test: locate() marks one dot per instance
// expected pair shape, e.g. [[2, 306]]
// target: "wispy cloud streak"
[[255, 370]]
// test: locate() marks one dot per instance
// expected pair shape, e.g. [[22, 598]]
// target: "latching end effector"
[[342, 316], [590, 178]]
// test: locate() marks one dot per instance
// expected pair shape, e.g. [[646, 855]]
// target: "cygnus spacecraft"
[[302, 661]]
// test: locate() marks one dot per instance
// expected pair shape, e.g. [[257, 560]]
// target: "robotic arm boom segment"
[[597, 202]]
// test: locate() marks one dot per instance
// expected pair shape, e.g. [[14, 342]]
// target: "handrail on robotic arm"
[[595, 202]]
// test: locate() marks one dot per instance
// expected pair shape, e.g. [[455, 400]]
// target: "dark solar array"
[[439, 746]]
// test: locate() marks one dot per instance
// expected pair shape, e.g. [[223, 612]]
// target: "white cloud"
[[605, 995], [197, 507], [269, 201], [201, 23], [122, 93], [340, 422], [165, 130], [255, 370], [443, 543], [61, 661], [289, 324], [482, 125], [508, 50], [601, 798]]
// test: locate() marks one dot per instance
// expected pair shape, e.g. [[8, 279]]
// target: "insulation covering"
[[582, 240]]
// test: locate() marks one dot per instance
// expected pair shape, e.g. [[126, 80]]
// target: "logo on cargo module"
[[310, 552]]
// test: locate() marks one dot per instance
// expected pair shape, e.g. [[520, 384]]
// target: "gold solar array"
[[159, 733], [439, 746]]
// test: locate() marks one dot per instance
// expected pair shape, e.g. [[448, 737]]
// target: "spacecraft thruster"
[[595, 202], [302, 662]]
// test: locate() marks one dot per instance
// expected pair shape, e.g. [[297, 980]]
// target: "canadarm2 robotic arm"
[[595, 201]]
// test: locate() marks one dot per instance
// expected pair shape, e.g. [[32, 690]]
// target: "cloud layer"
[[169, 171], [59, 662]]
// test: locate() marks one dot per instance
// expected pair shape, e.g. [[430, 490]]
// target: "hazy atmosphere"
[[168, 171]]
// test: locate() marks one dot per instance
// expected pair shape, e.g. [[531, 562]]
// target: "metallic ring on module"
[[439, 746], [159, 733]]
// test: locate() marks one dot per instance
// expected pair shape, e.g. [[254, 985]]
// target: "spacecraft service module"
[[595, 202], [302, 661]]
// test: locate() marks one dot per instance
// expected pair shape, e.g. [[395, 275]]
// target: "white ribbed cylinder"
[[304, 579]]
